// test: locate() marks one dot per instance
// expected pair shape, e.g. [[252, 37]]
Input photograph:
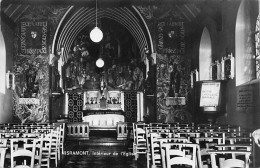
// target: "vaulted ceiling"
[[190, 9], [122, 11]]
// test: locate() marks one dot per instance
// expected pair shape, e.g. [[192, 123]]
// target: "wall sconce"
[[10, 80]]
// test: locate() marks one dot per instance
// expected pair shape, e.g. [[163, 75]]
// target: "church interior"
[[130, 83]]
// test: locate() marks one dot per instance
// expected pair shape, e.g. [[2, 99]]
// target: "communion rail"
[[80, 131]]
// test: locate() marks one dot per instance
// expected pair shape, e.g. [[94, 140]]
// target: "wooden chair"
[[169, 140], [62, 138], [152, 133], [160, 125], [46, 151], [38, 151], [61, 128], [240, 140], [226, 160], [55, 141], [189, 135], [2, 156], [229, 163], [209, 141], [139, 144], [246, 147], [153, 149], [206, 144], [17, 152], [182, 154]]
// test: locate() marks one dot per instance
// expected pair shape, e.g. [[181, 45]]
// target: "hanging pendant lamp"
[[100, 63], [96, 35]]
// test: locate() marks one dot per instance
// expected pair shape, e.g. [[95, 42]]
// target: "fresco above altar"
[[123, 69]]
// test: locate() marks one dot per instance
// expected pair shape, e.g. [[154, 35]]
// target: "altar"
[[103, 121], [103, 111]]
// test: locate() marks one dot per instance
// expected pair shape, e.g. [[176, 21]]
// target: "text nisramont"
[[97, 153]]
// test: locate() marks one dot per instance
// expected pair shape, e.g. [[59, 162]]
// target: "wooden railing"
[[78, 130]]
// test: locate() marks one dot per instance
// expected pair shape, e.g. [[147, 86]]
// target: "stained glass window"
[[257, 46]]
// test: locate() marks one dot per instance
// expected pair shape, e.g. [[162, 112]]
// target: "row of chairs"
[[27, 126], [38, 151], [205, 143]]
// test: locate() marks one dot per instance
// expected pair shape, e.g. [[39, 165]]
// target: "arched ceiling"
[[84, 16]]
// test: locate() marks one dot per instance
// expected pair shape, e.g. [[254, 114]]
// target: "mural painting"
[[31, 84], [172, 63], [172, 81], [123, 70], [172, 67], [34, 35]]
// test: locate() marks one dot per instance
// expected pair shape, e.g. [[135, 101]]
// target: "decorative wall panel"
[[75, 106], [34, 35], [130, 106]]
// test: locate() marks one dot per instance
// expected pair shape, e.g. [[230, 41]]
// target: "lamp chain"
[[96, 13]]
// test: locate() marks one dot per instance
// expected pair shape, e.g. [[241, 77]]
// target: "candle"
[[191, 79], [197, 75], [223, 69], [232, 74]]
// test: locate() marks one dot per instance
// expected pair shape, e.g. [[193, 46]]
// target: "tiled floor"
[[101, 151]]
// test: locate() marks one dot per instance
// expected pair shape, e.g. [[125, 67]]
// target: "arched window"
[[257, 46], [245, 63], [2, 63], [205, 55]]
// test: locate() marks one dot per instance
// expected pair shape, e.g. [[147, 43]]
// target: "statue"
[[55, 76], [175, 82], [256, 136]]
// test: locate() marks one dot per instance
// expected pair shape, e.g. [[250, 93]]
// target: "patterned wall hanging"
[[34, 34], [75, 107], [130, 98], [166, 88], [171, 36]]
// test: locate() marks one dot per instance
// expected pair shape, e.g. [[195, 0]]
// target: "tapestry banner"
[[33, 37]]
